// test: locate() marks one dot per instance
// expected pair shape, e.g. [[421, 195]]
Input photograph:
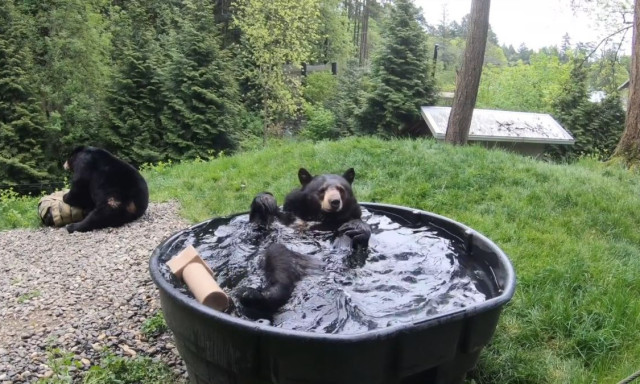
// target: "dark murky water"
[[411, 272]]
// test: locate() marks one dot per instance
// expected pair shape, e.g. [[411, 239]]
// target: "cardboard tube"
[[205, 289], [189, 266]]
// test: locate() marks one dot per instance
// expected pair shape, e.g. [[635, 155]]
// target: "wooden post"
[[468, 79]]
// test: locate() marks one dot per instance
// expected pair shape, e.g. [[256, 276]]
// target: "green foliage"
[[321, 124], [451, 39], [609, 72], [154, 325], [71, 42], [121, 370], [596, 127], [17, 211], [277, 33], [203, 100], [28, 296], [401, 75], [523, 87], [62, 363], [251, 131], [147, 79], [135, 99], [22, 124], [320, 87], [353, 89], [333, 42], [111, 370]]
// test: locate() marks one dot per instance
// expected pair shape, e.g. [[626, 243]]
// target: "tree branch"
[[606, 38]]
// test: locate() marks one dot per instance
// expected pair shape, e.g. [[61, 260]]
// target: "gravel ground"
[[80, 293]]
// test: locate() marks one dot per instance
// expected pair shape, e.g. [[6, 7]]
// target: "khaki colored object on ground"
[[55, 212]]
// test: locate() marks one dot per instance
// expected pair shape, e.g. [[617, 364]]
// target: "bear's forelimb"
[[358, 231]]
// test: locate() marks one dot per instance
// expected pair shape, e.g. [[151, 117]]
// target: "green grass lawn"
[[570, 230]]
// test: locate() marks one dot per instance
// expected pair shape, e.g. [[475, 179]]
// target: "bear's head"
[[331, 192], [73, 157]]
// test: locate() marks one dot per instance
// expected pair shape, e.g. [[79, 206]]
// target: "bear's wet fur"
[[327, 200]]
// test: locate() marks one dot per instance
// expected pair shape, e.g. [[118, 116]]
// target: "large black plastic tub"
[[221, 349]]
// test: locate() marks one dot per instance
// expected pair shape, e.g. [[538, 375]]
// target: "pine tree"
[[402, 77], [596, 127], [350, 98], [135, 99], [22, 132], [70, 45], [203, 101]]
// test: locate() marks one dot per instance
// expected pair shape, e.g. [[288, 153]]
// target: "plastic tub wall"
[[221, 349]]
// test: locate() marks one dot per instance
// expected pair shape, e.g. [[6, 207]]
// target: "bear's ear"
[[304, 176], [349, 175]]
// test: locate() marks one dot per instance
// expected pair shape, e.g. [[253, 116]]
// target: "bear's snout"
[[332, 201]]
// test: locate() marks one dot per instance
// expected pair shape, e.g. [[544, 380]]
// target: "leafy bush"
[[154, 325], [120, 370], [17, 211], [62, 364], [321, 124], [524, 87], [320, 87], [250, 135], [348, 103]]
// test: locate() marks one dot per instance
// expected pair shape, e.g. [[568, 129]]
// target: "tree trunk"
[[468, 80], [364, 54], [629, 146]]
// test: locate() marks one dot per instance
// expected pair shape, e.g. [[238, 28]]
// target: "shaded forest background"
[[165, 80]]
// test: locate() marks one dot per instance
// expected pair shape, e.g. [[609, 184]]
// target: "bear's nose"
[[335, 203]]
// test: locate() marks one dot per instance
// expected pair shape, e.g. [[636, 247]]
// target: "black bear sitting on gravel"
[[326, 199], [111, 190]]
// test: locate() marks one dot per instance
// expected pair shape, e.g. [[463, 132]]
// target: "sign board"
[[495, 125]]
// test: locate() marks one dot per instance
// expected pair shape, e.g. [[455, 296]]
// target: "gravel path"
[[80, 293]]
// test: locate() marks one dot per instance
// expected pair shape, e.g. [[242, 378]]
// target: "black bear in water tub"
[[326, 200]]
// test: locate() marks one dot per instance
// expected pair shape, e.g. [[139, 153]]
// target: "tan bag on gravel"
[[55, 212]]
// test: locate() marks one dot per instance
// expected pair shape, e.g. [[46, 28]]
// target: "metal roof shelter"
[[523, 132]]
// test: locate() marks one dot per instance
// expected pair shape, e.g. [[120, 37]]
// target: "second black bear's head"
[[73, 157], [332, 192]]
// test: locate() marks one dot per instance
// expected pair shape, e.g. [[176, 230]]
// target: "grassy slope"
[[571, 232]]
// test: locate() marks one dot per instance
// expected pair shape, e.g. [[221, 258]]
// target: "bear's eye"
[[322, 190]]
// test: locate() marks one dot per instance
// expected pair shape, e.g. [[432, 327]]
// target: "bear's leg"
[[358, 231], [283, 269], [78, 195], [102, 217]]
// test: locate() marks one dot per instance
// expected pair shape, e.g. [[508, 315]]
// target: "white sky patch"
[[536, 23]]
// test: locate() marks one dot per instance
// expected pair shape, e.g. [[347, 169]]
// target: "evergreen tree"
[[596, 127], [135, 99], [22, 132], [70, 43], [402, 75], [203, 101], [350, 99]]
